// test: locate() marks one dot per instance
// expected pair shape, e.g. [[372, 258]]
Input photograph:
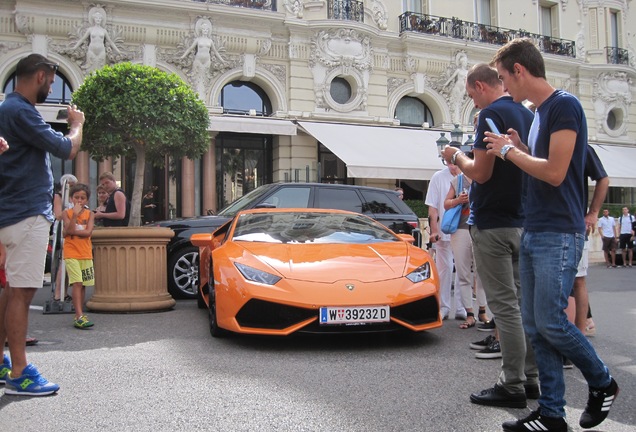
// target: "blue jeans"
[[548, 265]]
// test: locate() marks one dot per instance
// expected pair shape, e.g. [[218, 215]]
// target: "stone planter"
[[130, 270]]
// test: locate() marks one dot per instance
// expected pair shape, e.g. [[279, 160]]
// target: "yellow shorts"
[[80, 271]]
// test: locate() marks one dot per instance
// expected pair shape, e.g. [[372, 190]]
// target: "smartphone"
[[62, 114], [492, 126]]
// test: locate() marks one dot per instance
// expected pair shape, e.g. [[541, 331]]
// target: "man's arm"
[[600, 192], [76, 123], [479, 169], [551, 170], [433, 216]]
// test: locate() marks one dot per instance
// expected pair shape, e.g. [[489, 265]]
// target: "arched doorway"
[[244, 161]]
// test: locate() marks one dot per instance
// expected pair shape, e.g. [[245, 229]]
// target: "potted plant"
[[138, 110]]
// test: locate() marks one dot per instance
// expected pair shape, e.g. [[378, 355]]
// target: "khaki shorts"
[[26, 243], [80, 271]]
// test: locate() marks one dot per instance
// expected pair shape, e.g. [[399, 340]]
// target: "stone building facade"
[[328, 90]]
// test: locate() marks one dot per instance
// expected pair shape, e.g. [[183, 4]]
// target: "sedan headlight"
[[255, 275], [421, 273]]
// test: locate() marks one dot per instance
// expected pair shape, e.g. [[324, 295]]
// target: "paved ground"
[[163, 372]]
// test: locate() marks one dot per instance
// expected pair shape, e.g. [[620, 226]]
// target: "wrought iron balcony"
[[351, 10], [252, 4], [617, 55], [459, 29]]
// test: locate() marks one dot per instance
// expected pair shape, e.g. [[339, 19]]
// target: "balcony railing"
[[459, 29], [617, 55], [252, 4], [351, 10]]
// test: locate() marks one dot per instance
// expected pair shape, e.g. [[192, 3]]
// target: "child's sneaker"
[[82, 322], [5, 368], [31, 383]]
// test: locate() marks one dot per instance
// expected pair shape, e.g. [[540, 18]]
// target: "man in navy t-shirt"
[[497, 220], [26, 196], [554, 231]]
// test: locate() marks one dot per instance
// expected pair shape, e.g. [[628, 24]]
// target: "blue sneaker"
[[5, 368], [31, 383]]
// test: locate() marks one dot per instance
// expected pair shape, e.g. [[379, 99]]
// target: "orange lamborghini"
[[280, 271]]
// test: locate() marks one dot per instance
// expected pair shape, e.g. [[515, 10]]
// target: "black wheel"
[[215, 330], [183, 273]]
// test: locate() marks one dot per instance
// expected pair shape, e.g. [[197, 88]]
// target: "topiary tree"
[[135, 109]]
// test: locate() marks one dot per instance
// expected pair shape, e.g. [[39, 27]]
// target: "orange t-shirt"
[[75, 246]]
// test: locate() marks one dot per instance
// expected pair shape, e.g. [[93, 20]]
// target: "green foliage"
[[131, 108], [418, 207]]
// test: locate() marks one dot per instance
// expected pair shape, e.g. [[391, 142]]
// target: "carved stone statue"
[[457, 82], [98, 40], [204, 49]]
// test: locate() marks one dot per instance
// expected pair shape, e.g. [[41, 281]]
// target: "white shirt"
[[606, 225], [436, 194], [625, 222]]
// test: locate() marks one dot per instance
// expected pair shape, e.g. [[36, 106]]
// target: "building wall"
[[293, 53]]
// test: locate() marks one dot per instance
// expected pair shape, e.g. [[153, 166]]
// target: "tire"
[[200, 302], [215, 330], [183, 273]]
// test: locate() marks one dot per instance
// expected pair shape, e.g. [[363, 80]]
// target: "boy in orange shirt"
[[78, 249]]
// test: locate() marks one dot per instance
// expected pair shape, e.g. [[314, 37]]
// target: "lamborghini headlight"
[[255, 275], [420, 274]]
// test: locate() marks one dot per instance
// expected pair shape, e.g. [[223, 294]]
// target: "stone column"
[[209, 178], [187, 187]]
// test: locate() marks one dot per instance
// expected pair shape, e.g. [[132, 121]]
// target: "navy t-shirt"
[[561, 208], [497, 203], [26, 179]]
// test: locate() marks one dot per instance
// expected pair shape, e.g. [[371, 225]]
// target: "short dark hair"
[[33, 63], [80, 187], [524, 52], [483, 73]]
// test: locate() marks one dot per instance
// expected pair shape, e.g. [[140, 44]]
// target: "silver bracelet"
[[454, 156]]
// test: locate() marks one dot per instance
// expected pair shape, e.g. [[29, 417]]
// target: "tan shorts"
[[80, 271], [26, 243]]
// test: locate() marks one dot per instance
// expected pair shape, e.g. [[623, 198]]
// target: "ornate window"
[[61, 90], [413, 112], [239, 97]]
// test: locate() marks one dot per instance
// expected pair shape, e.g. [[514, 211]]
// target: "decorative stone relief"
[[5, 47], [392, 83], [452, 85], [564, 4], [295, 8], [95, 42], [612, 98], [580, 42], [343, 53], [24, 24], [379, 13], [279, 71]]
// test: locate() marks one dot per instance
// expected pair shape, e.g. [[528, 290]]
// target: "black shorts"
[[625, 241]]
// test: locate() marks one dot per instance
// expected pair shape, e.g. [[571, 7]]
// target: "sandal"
[[469, 322], [482, 315]]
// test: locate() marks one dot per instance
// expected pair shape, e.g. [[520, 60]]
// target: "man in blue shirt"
[[26, 196], [552, 242], [496, 226]]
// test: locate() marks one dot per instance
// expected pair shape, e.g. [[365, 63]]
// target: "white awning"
[[619, 162], [252, 125], [380, 152]]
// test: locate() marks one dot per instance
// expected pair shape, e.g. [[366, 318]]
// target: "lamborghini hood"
[[328, 263]]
